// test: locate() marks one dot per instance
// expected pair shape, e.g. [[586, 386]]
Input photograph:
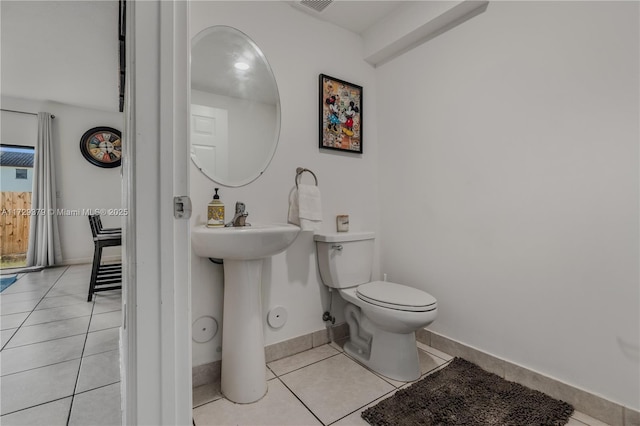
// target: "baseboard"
[[205, 374], [89, 260], [590, 404], [65, 262]]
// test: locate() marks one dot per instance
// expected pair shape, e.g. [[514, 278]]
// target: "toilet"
[[382, 316]]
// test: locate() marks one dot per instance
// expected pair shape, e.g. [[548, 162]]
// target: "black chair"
[[101, 230], [109, 276]]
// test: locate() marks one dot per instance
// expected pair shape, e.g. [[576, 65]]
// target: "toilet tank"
[[345, 259]]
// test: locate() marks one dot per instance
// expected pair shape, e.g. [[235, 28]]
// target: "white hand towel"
[[294, 216], [305, 207]]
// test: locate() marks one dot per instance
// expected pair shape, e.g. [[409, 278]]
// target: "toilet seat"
[[396, 296]]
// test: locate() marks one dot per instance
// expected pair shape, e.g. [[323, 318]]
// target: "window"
[[17, 167], [16, 187]]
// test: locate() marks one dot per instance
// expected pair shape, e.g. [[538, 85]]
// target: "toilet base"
[[392, 355]]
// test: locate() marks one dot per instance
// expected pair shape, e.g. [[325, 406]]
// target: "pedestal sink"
[[243, 249]]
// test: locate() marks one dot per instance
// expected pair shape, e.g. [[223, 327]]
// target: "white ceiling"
[[213, 55], [67, 51], [355, 16]]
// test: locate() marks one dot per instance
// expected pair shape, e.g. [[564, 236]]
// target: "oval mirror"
[[235, 107]]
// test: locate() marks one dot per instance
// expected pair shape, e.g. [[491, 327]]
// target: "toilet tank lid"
[[336, 237]]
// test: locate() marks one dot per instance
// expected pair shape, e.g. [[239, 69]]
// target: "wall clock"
[[102, 146]]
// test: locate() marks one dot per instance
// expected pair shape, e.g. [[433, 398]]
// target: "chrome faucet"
[[239, 219]]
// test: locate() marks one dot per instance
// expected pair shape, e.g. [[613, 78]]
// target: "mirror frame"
[[271, 153]]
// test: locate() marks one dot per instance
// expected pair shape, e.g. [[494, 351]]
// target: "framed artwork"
[[340, 115], [102, 146]]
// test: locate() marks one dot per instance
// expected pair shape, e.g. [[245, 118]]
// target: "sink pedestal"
[[244, 372], [242, 248]]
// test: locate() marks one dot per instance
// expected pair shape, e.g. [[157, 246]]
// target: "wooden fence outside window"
[[14, 222]]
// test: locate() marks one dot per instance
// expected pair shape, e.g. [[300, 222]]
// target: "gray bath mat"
[[464, 394]]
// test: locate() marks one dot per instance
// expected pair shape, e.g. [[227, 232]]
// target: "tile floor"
[[321, 386], [59, 366], [59, 362]]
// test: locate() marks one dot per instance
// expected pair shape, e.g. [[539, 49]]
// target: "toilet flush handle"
[[337, 246]]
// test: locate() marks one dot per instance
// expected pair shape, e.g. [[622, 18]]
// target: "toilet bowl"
[[382, 316]]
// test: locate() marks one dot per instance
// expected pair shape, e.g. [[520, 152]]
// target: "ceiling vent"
[[317, 5]]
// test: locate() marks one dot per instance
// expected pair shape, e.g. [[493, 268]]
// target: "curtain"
[[44, 240]]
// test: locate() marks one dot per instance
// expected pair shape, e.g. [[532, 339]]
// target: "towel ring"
[[301, 170]]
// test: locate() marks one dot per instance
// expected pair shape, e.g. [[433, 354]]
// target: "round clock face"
[[102, 146]]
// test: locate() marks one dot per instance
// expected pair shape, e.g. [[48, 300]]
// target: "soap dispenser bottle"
[[215, 211]]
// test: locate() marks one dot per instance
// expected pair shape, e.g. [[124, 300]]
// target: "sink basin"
[[243, 249], [243, 243]]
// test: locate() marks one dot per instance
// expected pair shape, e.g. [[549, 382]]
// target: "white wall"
[[348, 182], [18, 129], [80, 184], [508, 152]]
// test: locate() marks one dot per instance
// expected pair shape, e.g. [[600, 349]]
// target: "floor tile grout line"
[[378, 375], [15, 330], [222, 396], [84, 345], [37, 405], [429, 352], [96, 388], [99, 353], [361, 407], [47, 309], [46, 297], [43, 366], [44, 341], [17, 281], [301, 402], [306, 365], [45, 279], [422, 375], [62, 319], [34, 308], [214, 400]]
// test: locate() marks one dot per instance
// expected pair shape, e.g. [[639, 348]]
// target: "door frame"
[[156, 332]]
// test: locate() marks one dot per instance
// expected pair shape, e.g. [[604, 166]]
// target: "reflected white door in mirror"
[[210, 140], [235, 107]]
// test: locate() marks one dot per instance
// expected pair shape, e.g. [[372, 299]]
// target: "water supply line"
[[326, 316]]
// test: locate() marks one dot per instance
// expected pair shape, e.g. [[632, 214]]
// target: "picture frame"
[[102, 146], [340, 115]]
